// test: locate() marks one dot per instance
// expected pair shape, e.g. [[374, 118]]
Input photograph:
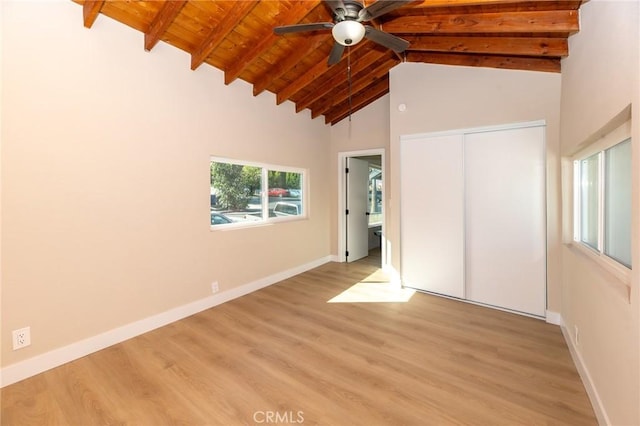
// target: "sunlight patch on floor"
[[374, 290]]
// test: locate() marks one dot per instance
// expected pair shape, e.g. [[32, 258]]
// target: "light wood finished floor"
[[286, 353]]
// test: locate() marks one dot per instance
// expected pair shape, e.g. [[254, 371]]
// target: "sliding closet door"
[[505, 242], [432, 214]]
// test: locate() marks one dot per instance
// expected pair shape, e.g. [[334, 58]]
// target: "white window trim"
[[613, 267], [264, 197]]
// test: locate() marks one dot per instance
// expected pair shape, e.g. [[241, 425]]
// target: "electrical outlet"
[[21, 338], [214, 287], [577, 334]]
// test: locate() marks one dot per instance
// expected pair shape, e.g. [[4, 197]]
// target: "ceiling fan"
[[348, 28]]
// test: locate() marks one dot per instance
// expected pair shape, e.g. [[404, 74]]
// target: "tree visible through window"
[[234, 184]]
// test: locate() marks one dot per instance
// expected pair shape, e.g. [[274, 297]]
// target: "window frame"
[[617, 136], [264, 194]]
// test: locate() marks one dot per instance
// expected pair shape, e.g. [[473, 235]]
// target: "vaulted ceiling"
[[237, 37]]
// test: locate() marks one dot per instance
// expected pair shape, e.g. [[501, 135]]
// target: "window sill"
[[256, 223], [616, 276]]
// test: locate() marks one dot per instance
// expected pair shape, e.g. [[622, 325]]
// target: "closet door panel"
[[432, 215], [505, 240]]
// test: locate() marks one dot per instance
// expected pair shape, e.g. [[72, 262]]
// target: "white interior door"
[[357, 201], [432, 214], [505, 247]]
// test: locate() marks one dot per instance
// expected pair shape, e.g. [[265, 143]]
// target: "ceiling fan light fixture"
[[348, 32]]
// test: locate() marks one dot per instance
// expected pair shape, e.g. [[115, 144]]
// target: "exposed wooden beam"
[[445, 3], [516, 46], [326, 87], [361, 82], [310, 76], [238, 11], [311, 44], [489, 61], [549, 22], [90, 11], [162, 21], [299, 84], [295, 14], [373, 92], [547, 5]]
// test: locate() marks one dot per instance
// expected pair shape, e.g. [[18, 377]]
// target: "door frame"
[[342, 223]]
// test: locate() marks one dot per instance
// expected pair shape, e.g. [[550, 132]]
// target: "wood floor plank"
[[288, 351]]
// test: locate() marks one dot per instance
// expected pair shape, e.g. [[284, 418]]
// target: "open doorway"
[[361, 206]]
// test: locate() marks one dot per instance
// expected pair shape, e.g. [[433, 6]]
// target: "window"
[[602, 191], [375, 195], [250, 193], [589, 200], [617, 203]]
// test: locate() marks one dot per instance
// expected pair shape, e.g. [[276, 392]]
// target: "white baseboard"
[[553, 318], [592, 392], [30, 367]]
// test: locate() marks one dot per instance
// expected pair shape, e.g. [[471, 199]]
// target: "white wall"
[[105, 178], [600, 78], [439, 98]]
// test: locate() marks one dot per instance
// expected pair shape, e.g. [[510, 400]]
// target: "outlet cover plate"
[[21, 338]]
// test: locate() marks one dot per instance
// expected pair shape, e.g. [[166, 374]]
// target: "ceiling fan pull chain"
[[349, 78]]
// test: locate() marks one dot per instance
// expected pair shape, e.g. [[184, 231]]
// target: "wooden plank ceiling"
[[237, 37]]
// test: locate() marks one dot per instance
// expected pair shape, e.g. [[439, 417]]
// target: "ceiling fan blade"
[[335, 5], [316, 26], [379, 8], [336, 53], [387, 40]]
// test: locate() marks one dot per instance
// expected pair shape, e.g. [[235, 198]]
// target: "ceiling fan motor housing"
[[351, 11]]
